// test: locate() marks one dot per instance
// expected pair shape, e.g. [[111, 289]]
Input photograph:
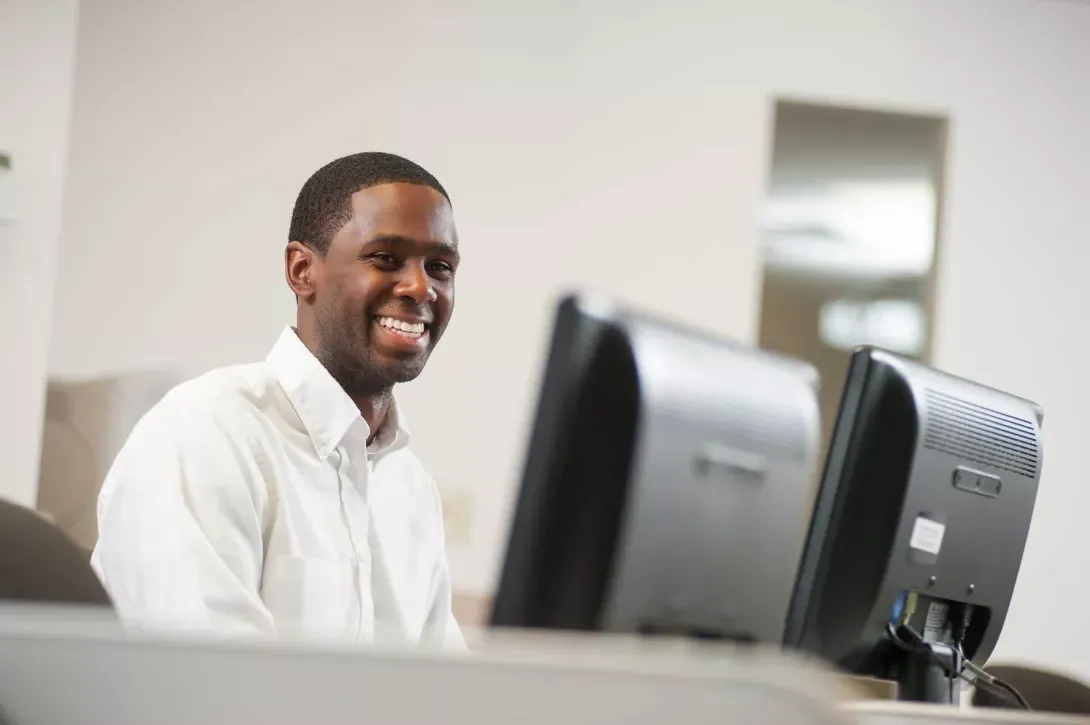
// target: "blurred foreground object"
[[64, 668], [58, 670], [667, 486], [40, 564]]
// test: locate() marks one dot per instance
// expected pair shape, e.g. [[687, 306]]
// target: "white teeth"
[[409, 329]]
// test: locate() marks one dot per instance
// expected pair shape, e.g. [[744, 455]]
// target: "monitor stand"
[[929, 674]]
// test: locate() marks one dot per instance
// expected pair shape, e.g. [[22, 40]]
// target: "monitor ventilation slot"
[[980, 435]]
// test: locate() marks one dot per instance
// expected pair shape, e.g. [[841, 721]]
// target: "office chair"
[[1045, 691], [38, 563]]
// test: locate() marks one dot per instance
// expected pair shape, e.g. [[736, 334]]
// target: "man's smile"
[[402, 333]]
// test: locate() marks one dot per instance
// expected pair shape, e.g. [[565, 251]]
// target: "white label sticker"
[[927, 535]]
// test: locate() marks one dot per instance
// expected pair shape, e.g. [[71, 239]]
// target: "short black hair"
[[323, 205]]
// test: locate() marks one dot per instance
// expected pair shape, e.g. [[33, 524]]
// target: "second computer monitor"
[[667, 487], [919, 524]]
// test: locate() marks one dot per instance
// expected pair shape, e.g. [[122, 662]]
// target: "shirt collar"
[[326, 411]]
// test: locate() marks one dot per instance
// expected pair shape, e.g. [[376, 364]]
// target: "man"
[[281, 498]]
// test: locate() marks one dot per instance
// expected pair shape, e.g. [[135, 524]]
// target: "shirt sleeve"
[[180, 529], [440, 627]]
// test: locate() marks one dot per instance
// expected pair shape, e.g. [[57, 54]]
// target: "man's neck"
[[373, 408]]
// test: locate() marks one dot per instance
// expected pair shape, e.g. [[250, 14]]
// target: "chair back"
[[38, 563]]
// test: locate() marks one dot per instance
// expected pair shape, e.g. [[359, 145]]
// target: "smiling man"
[[281, 498]]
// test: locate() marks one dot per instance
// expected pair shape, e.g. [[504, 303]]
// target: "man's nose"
[[415, 284]]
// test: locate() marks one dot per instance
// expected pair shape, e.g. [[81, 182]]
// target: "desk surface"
[[898, 713], [61, 668]]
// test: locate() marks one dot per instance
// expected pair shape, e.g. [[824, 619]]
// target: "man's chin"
[[402, 371]]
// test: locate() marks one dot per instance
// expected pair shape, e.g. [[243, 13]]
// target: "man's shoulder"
[[230, 399], [206, 437]]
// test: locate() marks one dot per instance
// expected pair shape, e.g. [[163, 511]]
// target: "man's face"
[[384, 291]]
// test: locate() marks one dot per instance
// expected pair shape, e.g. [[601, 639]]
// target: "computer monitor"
[[919, 525], [667, 486]]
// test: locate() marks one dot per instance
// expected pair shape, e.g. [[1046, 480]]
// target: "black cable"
[[917, 645], [1000, 687], [902, 631], [959, 625], [959, 622], [983, 679], [1008, 688]]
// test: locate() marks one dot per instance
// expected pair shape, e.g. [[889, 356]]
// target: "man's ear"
[[301, 269]]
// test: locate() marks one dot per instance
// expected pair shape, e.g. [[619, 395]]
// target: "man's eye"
[[384, 259], [441, 268]]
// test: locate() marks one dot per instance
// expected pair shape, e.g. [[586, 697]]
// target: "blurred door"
[[848, 232]]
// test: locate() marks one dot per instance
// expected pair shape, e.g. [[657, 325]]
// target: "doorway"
[[849, 237]]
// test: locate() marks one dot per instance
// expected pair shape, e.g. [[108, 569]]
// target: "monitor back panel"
[[969, 501], [927, 498], [721, 487]]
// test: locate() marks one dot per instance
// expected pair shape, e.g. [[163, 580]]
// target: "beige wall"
[[622, 145], [37, 48]]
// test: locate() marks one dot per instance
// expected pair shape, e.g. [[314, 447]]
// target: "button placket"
[[357, 539]]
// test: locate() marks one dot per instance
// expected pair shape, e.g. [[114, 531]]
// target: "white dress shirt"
[[248, 502]]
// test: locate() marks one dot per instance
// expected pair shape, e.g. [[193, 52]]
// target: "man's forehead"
[[399, 209]]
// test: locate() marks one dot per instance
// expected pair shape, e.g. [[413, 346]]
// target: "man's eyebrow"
[[449, 250], [397, 240]]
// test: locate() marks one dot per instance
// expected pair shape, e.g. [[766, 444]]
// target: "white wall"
[[37, 48], [622, 145]]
